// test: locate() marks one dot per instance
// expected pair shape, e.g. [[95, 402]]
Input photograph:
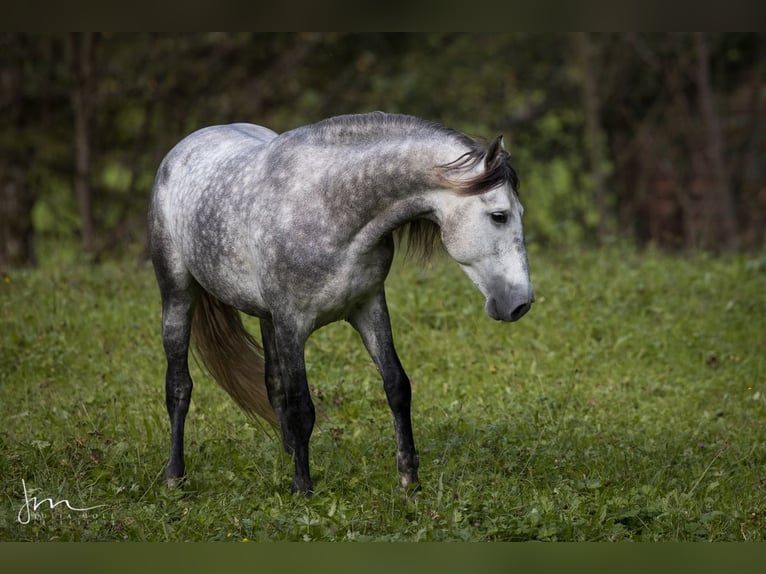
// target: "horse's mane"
[[361, 127], [422, 235]]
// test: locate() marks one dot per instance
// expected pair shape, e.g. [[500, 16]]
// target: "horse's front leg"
[[374, 325], [289, 393]]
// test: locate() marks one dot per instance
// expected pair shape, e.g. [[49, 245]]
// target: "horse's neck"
[[386, 147], [367, 185], [396, 169], [389, 185]]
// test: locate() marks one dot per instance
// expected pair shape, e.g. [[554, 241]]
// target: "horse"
[[299, 230]]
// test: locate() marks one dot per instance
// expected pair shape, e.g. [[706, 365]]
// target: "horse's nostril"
[[520, 311]]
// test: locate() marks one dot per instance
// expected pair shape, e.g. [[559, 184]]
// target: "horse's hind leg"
[[374, 325], [177, 309], [179, 294], [273, 377]]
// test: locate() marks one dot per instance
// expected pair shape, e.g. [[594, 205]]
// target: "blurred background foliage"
[[648, 138]]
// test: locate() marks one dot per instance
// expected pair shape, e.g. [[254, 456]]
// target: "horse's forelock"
[[422, 236], [498, 172]]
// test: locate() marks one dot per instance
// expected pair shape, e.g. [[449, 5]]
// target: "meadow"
[[629, 404]]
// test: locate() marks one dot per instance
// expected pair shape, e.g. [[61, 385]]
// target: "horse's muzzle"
[[510, 305]]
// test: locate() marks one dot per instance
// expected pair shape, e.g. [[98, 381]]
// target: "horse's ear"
[[495, 148]]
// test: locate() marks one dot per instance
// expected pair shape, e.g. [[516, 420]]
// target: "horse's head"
[[483, 232]]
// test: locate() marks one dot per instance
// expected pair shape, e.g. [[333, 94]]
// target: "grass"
[[628, 405]]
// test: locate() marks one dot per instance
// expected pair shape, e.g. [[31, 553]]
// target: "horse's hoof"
[[173, 482], [302, 487], [411, 487], [413, 491], [409, 482]]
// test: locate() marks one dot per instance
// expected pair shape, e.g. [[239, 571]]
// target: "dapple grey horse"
[[298, 230]]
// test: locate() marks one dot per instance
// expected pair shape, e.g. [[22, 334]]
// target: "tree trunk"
[[16, 230], [721, 225], [80, 49], [16, 198], [594, 134]]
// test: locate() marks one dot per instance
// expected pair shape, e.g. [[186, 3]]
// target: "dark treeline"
[[655, 138]]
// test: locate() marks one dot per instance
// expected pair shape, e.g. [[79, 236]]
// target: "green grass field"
[[629, 404]]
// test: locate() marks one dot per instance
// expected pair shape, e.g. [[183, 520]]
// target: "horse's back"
[[201, 158], [233, 132], [199, 195], [208, 144], [254, 131]]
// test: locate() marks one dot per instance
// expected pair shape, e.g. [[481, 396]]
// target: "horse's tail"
[[232, 356]]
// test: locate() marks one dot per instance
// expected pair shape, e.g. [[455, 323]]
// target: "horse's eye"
[[499, 217]]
